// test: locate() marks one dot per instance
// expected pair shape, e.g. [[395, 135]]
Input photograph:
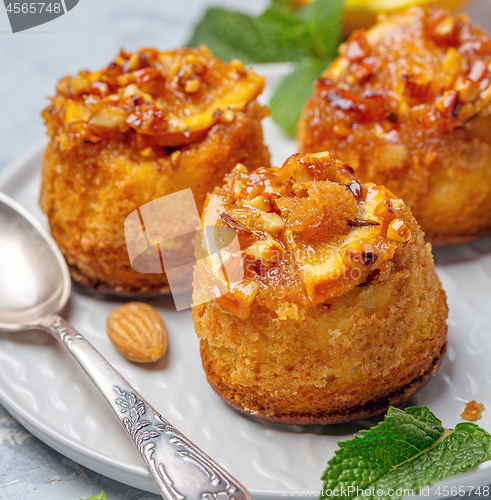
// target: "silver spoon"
[[34, 285]]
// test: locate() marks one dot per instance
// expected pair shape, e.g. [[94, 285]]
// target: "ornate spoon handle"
[[179, 468]]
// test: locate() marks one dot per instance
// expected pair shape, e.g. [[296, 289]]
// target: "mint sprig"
[[100, 496], [277, 35], [408, 450], [290, 96], [323, 20], [308, 36]]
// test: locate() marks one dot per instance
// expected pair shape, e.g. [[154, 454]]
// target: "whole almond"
[[138, 332]]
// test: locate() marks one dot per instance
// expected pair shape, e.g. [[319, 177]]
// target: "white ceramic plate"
[[43, 387]]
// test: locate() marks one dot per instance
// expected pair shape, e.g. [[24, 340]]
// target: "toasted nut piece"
[[147, 152], [445, 30], [298, 189], [78, 85], [449, 103], [359, 255], [268, 250], [454, 62], [136, 61], [240, 168], [398, 231], [191, 86], [285, 173], [356, 48], [133, 90], [174, 156], [177, 125], [469, 90], [237, 187], [138, 332], [384, 210], [109, 118], [75, 111], [339, 67], [418, 86], [477, 71], [253, 191], [238, 66], [259, 202], [403, 107], [356, 190], [271, 222], [227, 116]]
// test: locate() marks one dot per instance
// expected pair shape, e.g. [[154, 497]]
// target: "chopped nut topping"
[[176, 125], [78, 85], [147, 152], [478, 71], [298, 189], [240, 168], [359, 255], [362, 223], [320, 245], [175, 156], [357, 47], [237, 187], [357, 190], [384, 210], [167, 99], [259, 202], [271, 222], [468, 90], [417, 86], [445, 30], [398, 231], [100, 89], [192, 85], [268, 250], [418, 68], [450, 103], [228, 115], [238, 66], [454, 62], [234, 223], [109, 118]]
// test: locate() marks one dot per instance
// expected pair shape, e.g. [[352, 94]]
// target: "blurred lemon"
[[363, 13]]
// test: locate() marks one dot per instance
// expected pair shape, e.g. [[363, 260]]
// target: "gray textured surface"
[[31, 62]]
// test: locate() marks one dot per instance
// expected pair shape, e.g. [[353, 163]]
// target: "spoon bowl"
[[34, 286], [34, 278]]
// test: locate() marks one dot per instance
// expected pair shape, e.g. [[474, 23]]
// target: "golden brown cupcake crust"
[[115, 146], [407, 105], [335, 354]]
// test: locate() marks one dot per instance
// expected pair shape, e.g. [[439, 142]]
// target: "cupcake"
[[339, 313], [407, 105], [148, 125]]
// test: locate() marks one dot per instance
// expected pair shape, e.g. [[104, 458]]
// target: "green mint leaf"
[[406, 451], [324, 21], [100, 496], [289, 98], [277, 35]]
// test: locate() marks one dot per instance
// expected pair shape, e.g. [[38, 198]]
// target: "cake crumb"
[[472, 411]]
